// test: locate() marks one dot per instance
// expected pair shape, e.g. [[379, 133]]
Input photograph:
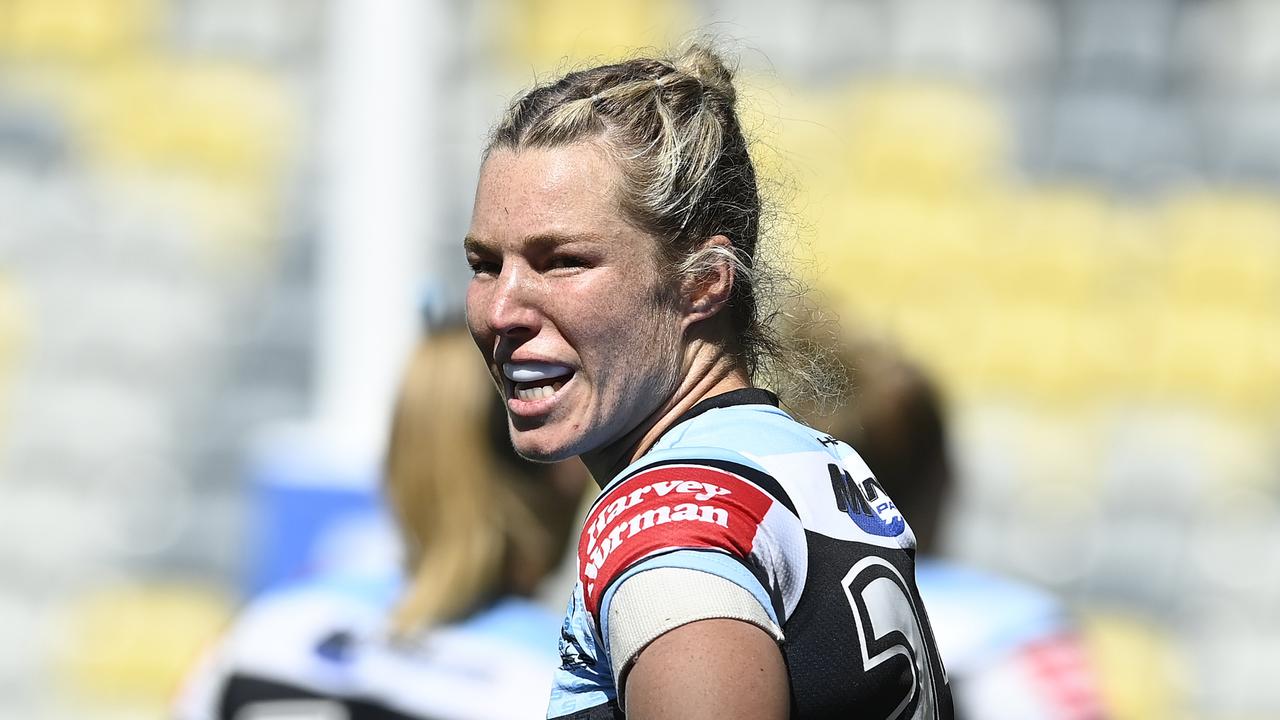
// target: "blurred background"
[[219, 220]]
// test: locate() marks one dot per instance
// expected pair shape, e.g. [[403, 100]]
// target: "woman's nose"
[[512, 310]]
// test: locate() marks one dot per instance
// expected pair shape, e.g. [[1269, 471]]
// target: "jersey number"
[[890, 625]]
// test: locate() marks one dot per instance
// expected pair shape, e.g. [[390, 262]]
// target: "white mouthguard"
[[533, 371]]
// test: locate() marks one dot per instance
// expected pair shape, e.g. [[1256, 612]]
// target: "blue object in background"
[[308, 516]]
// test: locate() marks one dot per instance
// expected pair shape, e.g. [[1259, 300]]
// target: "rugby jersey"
[[740, 490]]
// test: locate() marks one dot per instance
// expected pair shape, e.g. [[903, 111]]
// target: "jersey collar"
[[741, 396]]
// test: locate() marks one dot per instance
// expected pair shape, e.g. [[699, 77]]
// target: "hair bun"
[[707, 67]]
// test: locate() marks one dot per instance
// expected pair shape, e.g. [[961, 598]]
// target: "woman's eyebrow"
[[542, 242], [550, 241]]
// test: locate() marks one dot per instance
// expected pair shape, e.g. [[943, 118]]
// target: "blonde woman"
[[457, 637], [738, 564]]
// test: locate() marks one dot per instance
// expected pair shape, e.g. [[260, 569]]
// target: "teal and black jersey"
[[740, 490]]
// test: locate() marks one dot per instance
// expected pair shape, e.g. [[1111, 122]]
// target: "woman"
[[460, 638], [737, 563]]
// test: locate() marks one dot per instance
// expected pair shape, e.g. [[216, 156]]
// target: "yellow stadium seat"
[[136, 642], [206, 138], [1054, 247], [546, 34], [1220, 358], [77, 30], [223, 121], [1140, 669], [1224, 250], [922, 137]]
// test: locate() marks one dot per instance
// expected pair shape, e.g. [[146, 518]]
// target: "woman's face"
[[568, 303]]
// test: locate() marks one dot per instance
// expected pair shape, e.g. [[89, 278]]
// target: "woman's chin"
[[540, 449]]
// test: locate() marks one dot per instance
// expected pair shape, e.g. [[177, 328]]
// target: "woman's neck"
[[712, 372]]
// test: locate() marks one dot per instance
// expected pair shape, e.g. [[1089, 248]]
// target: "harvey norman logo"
[[666, 493], [668, 507]]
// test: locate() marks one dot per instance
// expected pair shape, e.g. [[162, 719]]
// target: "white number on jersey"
[[889, 625]]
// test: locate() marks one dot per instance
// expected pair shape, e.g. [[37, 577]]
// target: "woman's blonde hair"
[[671, 127], [477, 522]]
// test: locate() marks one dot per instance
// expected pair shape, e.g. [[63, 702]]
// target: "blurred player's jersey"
[[322, 651], [1011, 650], [741, 491]]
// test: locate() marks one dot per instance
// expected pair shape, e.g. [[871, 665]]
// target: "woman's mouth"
[[533, 381]]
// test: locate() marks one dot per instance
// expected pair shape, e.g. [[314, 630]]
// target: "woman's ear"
[[709, 281]]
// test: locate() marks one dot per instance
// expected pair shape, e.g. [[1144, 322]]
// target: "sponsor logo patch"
[[866, 504], [668, 507]]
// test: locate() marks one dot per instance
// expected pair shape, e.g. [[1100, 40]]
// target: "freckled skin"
[[562, 276], [611, 318]]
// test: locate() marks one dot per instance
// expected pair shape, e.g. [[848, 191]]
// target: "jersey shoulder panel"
[[759, 429], [701, 499], [800, 460], [826, 483]]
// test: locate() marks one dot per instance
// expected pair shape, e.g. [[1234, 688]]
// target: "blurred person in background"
[[1012, 650], [617, 300], [458, 636]]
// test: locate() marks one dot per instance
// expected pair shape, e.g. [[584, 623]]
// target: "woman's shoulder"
[[750, 430], [743, 440]]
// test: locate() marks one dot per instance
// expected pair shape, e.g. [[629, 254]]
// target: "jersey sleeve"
[[709, 537]]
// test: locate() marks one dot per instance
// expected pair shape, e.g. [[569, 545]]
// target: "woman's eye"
[[567, 261], [483, 267]]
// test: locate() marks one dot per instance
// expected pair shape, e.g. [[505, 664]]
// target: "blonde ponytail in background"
[[477, 522]]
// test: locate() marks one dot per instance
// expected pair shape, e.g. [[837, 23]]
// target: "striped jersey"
[[740, 490]]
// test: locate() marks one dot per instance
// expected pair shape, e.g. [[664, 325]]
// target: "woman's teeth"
[[538, 392]]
